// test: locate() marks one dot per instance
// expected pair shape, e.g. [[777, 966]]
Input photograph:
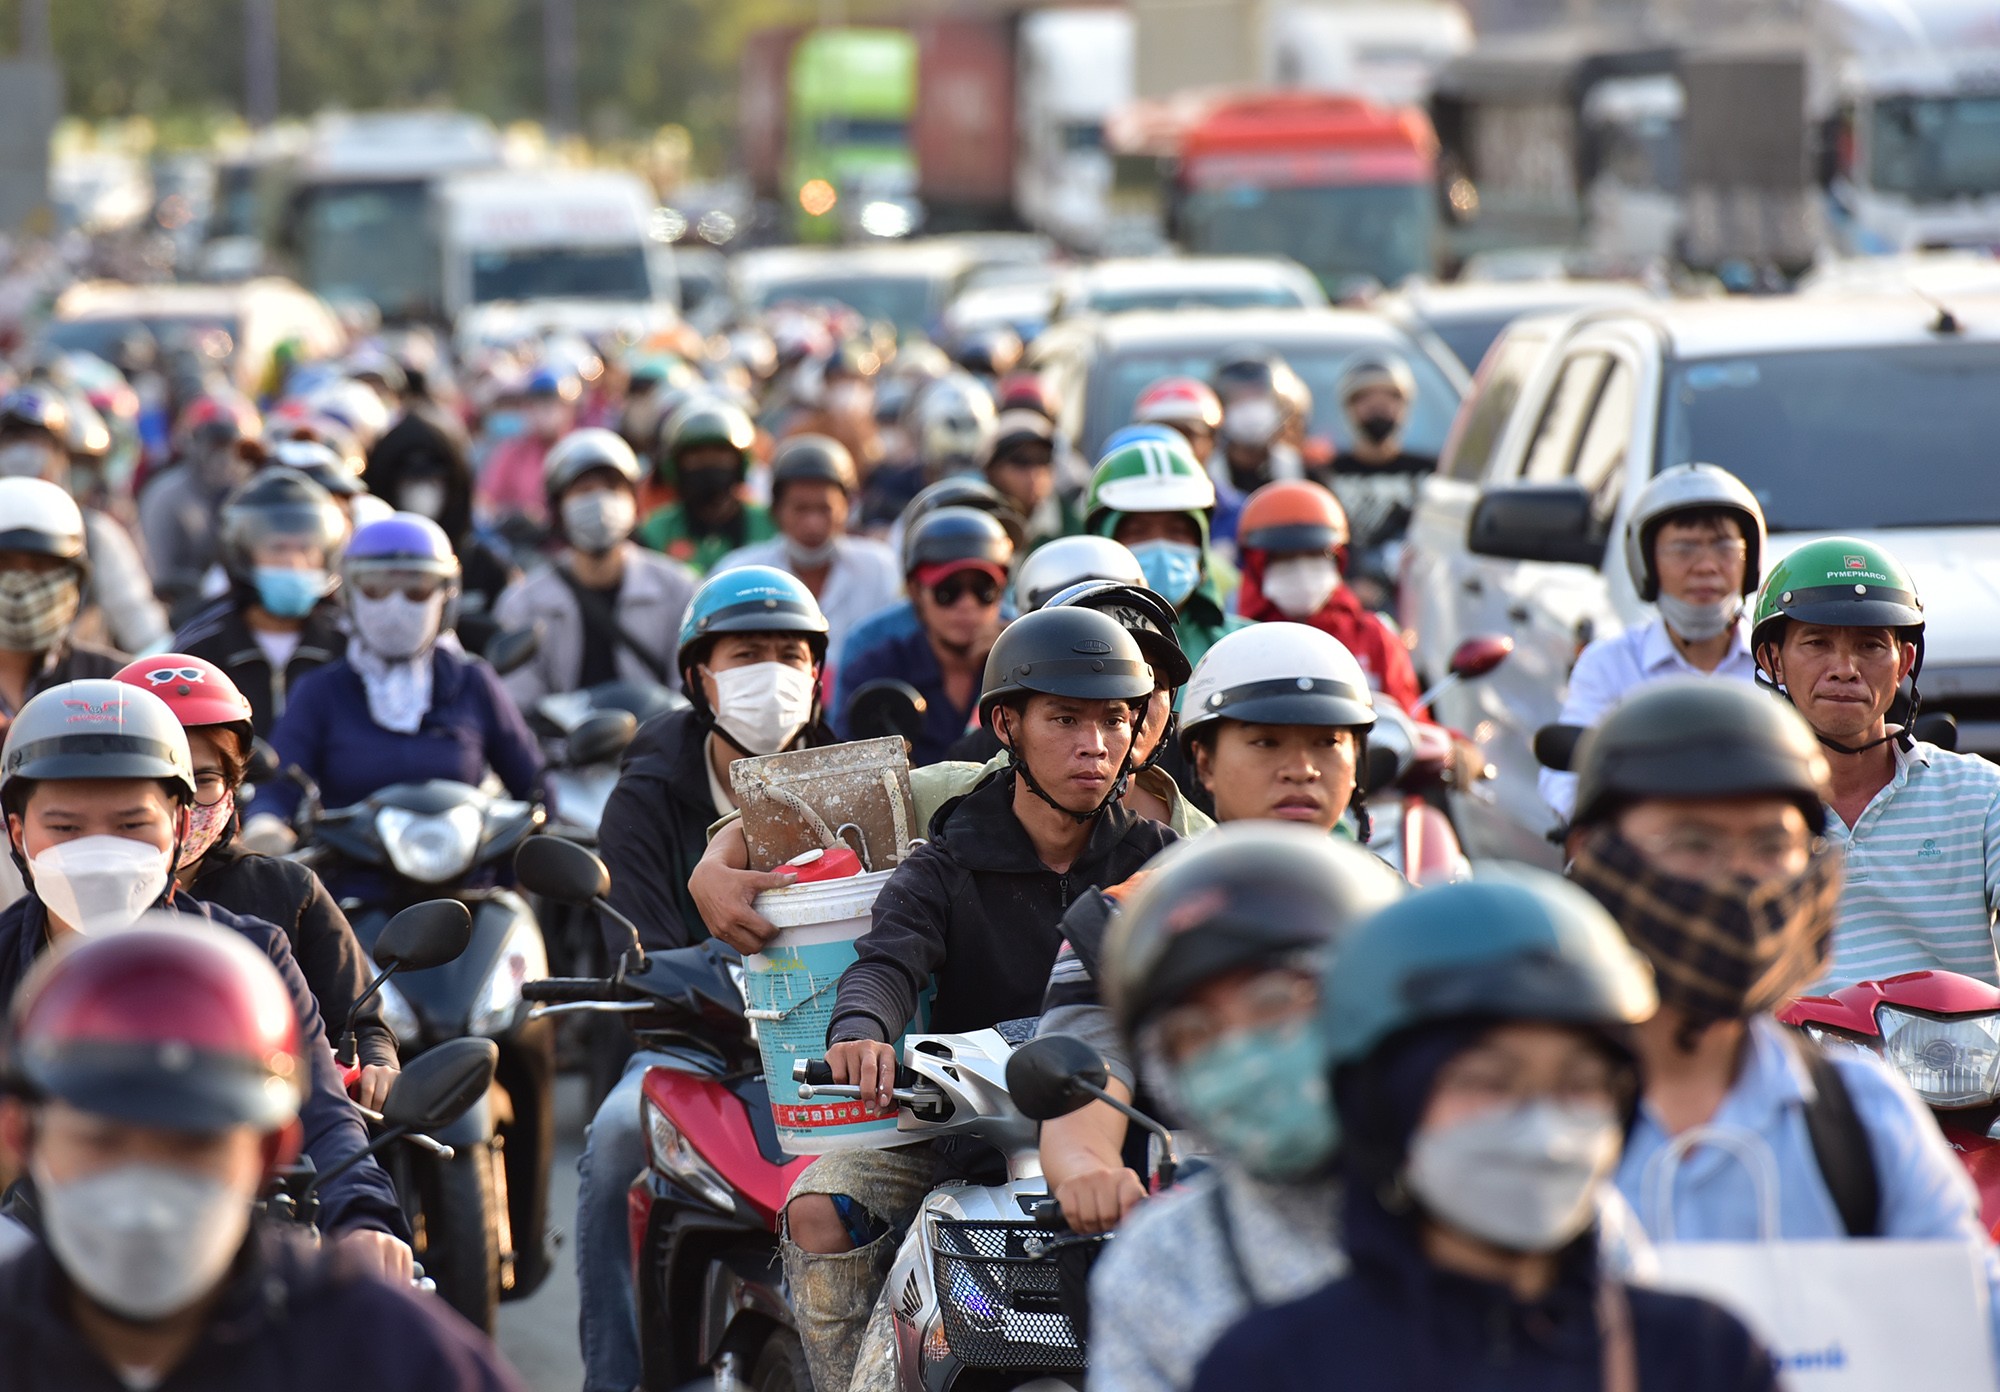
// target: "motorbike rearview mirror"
[[264, 765], [886, 706], [560, 870], [1384, 765], [439, 1086], [425, 935], [512, 649], [600, 738], [1936, 727], [1047, 1077], [1555, 746], [1477, 656]]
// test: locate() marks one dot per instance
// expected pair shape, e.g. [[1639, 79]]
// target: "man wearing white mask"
[[606, 608], [1694, 547], [751, 653], [813, 488]]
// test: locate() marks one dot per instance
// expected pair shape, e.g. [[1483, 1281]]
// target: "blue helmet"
[[402, 541], [552, 381], [748, 599], [1133, 434]]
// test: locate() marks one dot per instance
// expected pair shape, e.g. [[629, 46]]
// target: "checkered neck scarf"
[[1723, 950]]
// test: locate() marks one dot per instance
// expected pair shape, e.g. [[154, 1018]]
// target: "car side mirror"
[[440, 1085], [600, 738], [560, 870], [425, 935], [1045, 1076], [512, 649], [1536, 522]]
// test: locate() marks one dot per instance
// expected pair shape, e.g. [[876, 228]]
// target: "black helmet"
[[815, 458], [962, 490], [95, 729], [36, 406], [1244, 894], [1690, 738], [1141, 613], [957, 534], [279, 502], [1064, 652]]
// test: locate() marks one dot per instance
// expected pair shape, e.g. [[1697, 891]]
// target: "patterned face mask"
[[205, 828], [36, 609]]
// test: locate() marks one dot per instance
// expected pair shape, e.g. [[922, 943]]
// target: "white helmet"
[[1070, 560], [580, 451], [355, 405], [40, 517], [1277, 674], [1690, 488], [953, 421]]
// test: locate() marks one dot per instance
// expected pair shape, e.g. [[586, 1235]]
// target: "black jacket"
[[359, 1198], [289, 895], [220, 634], [288, 1318], [655, 827], [978, 908], [74, 662]]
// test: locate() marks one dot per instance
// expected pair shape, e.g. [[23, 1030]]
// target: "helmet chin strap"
[[1020, 769], [1901, 734]]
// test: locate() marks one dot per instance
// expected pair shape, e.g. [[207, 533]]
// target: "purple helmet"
[[402, 541]]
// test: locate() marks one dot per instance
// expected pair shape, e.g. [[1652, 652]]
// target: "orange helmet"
[[1290, 517]]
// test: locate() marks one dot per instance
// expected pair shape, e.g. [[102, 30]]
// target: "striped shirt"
[[1923, 872]]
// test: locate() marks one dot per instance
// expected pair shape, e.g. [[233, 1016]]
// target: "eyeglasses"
[[1724, 549], [1270, 999], [1702, 853], [416, 588], [977, 583], [1493, 1082], [210, 786]]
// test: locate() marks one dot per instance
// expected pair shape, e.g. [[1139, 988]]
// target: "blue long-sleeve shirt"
[[909, 658], [360, 1197], [327, 733]]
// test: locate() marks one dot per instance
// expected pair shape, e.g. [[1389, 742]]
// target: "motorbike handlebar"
[[816, 1073], [572, 989]]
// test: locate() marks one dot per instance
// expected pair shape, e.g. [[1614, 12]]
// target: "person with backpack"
[[606, 608], [1700, 824]]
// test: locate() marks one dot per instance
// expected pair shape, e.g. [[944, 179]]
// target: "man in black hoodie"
[[979, 907]]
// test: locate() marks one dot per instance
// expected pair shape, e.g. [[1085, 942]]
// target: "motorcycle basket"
[[1013, 1295]]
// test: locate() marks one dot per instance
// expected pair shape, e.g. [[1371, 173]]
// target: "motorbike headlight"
[[398, 1015], [1950, 1063], [673, 1157], [429, 847], [522, 958]]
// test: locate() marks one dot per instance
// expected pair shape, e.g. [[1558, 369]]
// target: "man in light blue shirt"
[[1693, 545], [1699, 824]]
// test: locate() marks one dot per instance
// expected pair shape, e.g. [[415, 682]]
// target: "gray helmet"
[[95, 729], [1244, 894], [1690, 488], [581, 451], [812, 458], [1690, 738], [1064, 652]]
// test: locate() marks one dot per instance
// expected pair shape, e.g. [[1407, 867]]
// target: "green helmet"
[[1149, 475], [1842, 582], [705, 420]]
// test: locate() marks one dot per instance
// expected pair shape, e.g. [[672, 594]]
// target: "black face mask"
[[1376, 429], [706, 486]]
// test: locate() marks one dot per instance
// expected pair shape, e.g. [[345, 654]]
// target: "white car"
[[1121, 285], [1870, 417]]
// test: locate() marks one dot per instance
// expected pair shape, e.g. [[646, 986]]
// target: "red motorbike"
[[1941, 1031]]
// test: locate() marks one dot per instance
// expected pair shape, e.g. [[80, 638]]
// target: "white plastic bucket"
[[791, 987]]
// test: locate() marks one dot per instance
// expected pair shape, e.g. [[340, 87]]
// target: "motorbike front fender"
[[739, 1284]]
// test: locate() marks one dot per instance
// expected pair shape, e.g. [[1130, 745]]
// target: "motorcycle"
[[990, 1288], [1411, 770], [1941, 1031], [480, 1216], [704, 1215]]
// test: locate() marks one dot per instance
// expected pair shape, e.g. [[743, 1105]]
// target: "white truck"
[[1074, 69], [526, 251]]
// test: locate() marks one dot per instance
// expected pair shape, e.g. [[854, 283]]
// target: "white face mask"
[[1699, 622], [424, 497], [99, 884], [397, 627], [1299, 585], [27, 459], [144, 1241], [763, 705], [1523, 1178], [810, 557], [1251, 421], [597, 521]]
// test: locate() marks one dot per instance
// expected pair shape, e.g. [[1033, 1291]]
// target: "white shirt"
[[277, 647], [1610, 668], [863, 577]]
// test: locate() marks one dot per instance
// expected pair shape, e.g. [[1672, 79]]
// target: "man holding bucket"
[[979, 907]]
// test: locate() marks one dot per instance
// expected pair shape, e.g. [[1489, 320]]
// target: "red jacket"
[[1380, 653]]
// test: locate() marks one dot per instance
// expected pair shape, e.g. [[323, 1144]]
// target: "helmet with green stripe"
[[1149, 475], [1841, 582]]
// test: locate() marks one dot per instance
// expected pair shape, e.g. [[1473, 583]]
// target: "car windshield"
[[1470, 335], [908, 302], [1834, 439], [1319, 364], [1195, 295], [1935, 147], [372, 242], [1340, 234], [210, 335], [547, 273]]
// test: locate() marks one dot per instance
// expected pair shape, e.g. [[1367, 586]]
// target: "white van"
[[528, 251]]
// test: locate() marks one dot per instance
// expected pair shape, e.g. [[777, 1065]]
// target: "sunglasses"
[[976, 583], [415, 588]]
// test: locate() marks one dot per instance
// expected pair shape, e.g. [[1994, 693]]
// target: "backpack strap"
[[601, 616], [1840, 1144]]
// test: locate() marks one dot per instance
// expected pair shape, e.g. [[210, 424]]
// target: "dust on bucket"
[[791, 986]]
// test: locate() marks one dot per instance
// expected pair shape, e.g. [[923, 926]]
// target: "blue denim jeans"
[[614, 1154]]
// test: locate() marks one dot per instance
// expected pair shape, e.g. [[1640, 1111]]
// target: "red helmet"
[[175, 1023], [218, 417], [1024, 391], [1178, 401], [196, 690], [1296, 515]]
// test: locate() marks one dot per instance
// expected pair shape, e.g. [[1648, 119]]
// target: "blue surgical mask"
[[1261, 1097], [503, 425], [1172, 568], [289, 594]]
